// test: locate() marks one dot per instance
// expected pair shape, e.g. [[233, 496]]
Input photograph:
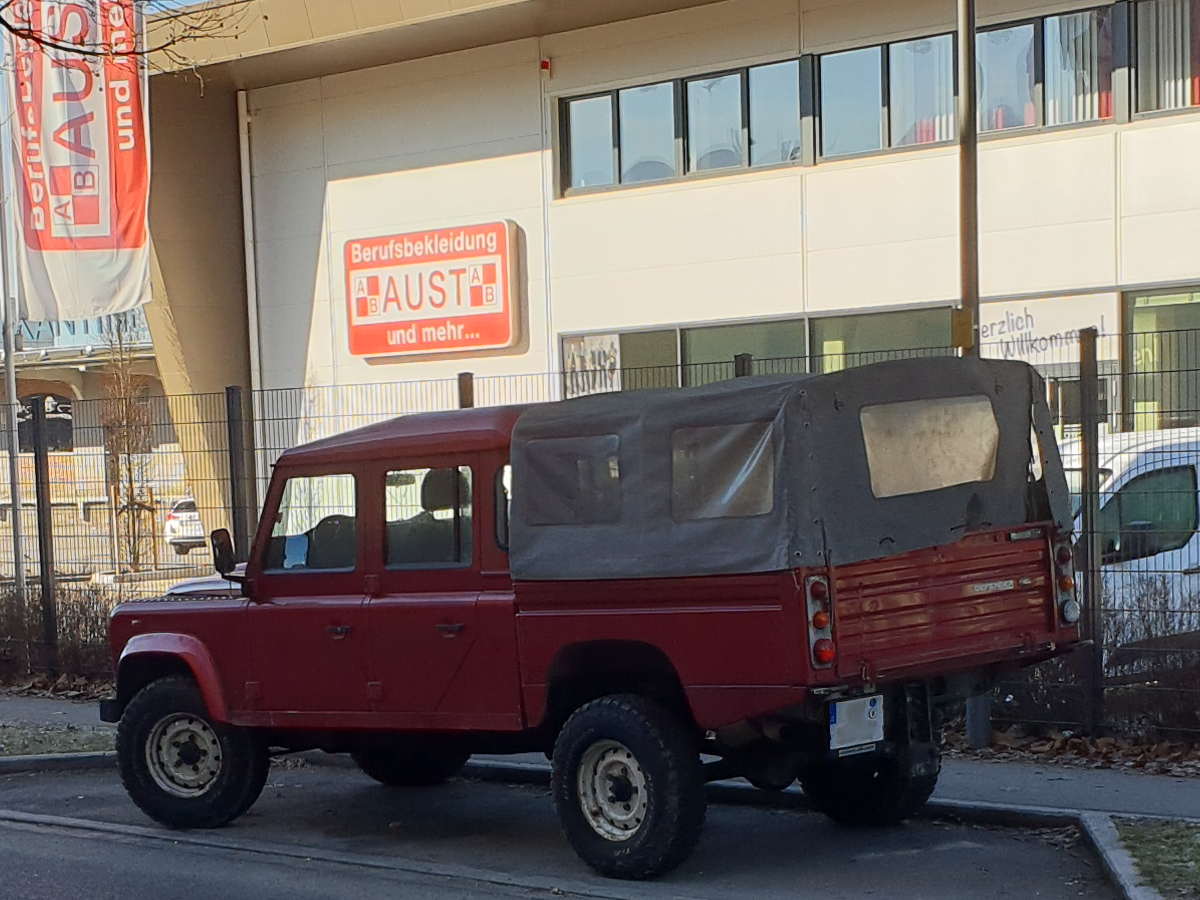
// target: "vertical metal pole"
[[1090, 540], [239, 473], [967, 334], [466, 390], [743, 365], [13, 402], [45, 526]]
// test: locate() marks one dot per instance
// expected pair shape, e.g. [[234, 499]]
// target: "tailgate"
[[989, 592]]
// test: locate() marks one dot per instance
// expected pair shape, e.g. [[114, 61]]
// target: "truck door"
[[422, 613], [307, 618]]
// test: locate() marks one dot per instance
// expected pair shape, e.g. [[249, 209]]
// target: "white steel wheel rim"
[[183, 754], [612, 789]]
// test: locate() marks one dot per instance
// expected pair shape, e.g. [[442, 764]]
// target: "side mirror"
[[222, 549]]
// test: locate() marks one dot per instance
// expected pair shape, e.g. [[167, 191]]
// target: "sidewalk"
[[1022, 784]]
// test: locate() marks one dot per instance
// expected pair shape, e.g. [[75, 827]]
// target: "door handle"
[[449, 631], [337, 632]]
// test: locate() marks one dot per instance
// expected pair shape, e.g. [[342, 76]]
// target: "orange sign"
[[441, 291]]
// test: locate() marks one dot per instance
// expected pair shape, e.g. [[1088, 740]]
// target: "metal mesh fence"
[[138, 484]]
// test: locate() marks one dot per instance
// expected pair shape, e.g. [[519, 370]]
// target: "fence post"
[[1090, 543], [45, 527], [466, 390], [242, 513], [743, 364]]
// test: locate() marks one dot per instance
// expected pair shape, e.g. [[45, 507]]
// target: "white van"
[[1149, 516]]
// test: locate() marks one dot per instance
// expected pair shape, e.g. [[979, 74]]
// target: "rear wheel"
[[181, 767], [871, 791], [411, 767], [628, 786]]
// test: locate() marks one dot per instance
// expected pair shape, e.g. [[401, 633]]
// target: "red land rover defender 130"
[[792, 576]]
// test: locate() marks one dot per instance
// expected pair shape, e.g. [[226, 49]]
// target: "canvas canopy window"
[[766, 474]]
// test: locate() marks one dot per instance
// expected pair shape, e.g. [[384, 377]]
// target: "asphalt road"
[[325, 832]]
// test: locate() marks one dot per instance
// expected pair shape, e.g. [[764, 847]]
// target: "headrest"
[[444, 489]]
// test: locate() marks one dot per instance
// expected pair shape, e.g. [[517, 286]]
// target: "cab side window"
[[1154, 513], [316, 527], [428, 518]]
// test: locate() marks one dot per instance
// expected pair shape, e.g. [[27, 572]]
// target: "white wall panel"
[[1160, 202]]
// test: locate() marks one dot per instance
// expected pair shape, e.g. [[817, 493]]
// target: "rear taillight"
[[820, 621], [1064, 578]]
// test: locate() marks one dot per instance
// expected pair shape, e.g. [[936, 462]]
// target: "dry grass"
[[1167, 855]]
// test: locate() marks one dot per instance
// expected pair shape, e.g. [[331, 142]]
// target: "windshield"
[[1075, 484]]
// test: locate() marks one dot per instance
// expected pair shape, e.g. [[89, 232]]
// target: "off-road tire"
[[411, 768], [241, 770], [868, 791], [665, 752]]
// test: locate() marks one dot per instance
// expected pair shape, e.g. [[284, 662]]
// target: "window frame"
[[1132, 63], [361, 563], [380, 479]]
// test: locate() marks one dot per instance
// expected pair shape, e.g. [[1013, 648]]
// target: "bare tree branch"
[[172, 27]]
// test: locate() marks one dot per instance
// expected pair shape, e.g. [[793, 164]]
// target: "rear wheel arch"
[[589, 670]]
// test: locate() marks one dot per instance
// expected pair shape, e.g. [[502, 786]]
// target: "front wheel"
[[629, 787], [179, 766], [873, 790]]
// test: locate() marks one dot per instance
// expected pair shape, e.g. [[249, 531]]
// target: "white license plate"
[[856, 723]]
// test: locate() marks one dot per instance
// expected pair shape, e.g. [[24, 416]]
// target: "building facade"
[[628, 193]]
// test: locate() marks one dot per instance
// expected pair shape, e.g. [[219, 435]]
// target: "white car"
[[209, 585], [1149, 520], [183, 529]]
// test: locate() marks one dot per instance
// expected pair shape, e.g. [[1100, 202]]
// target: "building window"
[[1006, 78], [1078, 67], [777, 347], [1163, 347], [921, 91], [647, 127], [852, 102], [590, 142], [774, 113], [714, 117], [841, 342], [1168, 54]]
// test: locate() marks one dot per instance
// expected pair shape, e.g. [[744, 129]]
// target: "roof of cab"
[[455, 431]]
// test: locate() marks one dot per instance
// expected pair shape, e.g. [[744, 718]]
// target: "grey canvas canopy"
[[767, 473]]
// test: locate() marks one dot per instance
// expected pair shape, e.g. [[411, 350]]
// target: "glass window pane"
[[714, 108], [573, 481], [1006, 78], [649, 359], [590, 140], [927, 445], [1168, 54], [840, 342], [1153, 513], [708, 352], [722, 472], [316, 526], [922, 91], [775, 113], [428, 517], [852, 102], [648, 132], [1079, 67]]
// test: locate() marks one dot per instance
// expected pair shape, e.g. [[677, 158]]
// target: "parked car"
[[1148, 524], [182, 528], [215, 585], [794, 575]]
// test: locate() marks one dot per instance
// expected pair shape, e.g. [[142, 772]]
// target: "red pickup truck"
[[789, 576]]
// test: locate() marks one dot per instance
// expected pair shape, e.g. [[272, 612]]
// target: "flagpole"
[[13, 401]]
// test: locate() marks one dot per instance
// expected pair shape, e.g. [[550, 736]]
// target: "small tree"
[[128, 441]]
